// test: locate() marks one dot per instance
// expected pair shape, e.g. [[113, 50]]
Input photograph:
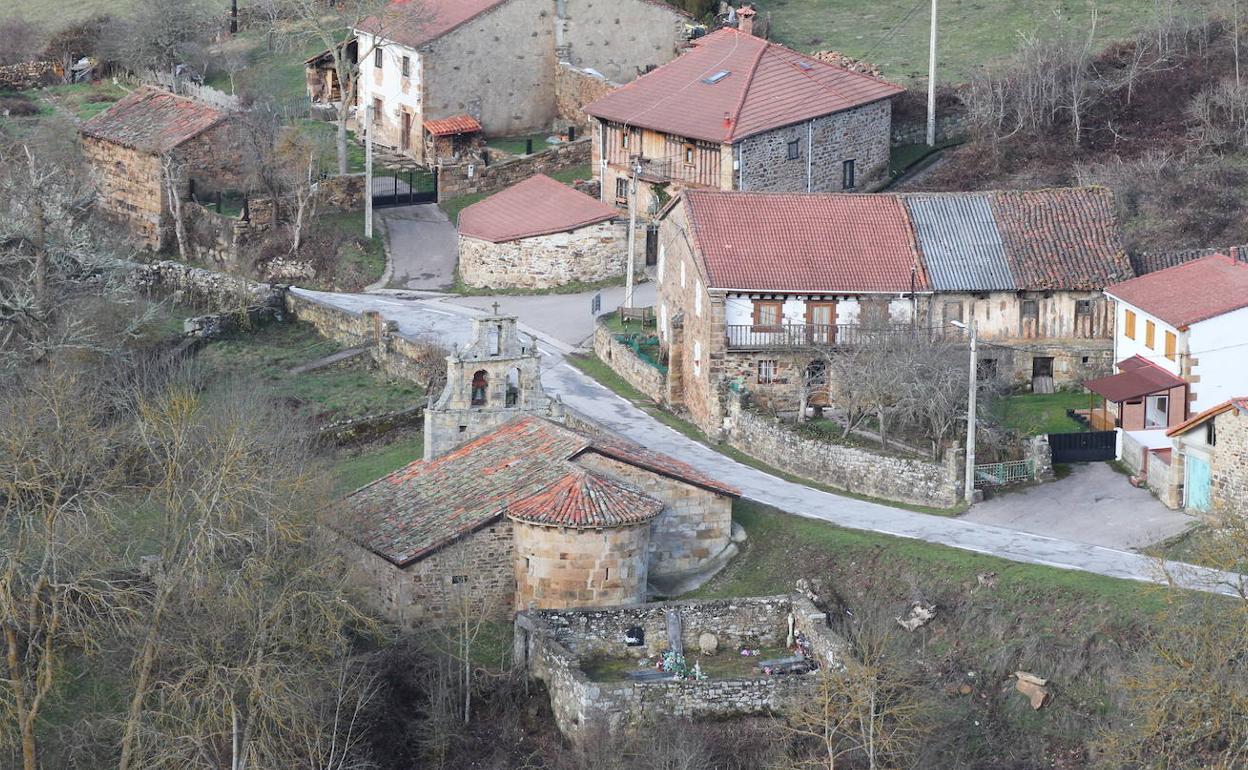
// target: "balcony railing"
[[764, 337]]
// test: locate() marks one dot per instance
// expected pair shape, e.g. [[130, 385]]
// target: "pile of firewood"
[[849, 63]]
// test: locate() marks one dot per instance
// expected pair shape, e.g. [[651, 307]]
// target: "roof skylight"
[[718, 76]]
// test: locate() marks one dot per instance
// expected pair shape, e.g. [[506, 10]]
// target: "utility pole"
[[233, 17], [931, 83], [368, 171], [632, 232], [970, 418]]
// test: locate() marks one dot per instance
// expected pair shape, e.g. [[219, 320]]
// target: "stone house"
[[1208, 463], [126, 146], [533, 514], [748, 281], [736, 112], [540, 234], [495, 60]]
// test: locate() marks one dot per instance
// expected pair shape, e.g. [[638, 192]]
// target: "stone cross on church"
[[493, 379]]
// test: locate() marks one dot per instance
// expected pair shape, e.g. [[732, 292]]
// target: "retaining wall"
[[624, 362], [476, 178]]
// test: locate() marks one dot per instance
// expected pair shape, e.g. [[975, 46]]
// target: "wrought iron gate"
[[1088, 447], [404, 188]]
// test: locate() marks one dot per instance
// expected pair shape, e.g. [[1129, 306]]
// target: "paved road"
[[564, 317], [1095, 504], [450, 323], [422, 246]]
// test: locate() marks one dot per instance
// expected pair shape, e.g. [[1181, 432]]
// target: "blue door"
[[1197, 484]]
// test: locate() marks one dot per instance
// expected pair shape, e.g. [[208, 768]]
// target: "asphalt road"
[[449, 323], [422, 246]]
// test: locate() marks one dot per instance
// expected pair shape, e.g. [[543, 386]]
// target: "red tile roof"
[[1061, 238], [457, 124], [584, 499], [804, 243], [1189, 293], [413, 23], [1137, 377], [424, 506], [537, 206], [1240, 404], [767, 86], [153, 120]]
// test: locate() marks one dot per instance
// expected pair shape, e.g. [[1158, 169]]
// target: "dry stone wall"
[[902, 479], [585, 255], [636, 372], [475, 178], [575, 88], [1229, 468]]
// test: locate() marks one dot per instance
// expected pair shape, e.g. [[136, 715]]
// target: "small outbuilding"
[[453, 139], [127, 144], [540, 234]]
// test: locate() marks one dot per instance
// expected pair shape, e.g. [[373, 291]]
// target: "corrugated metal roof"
[[960, 242]]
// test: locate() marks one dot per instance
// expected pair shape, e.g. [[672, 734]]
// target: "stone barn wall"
[[129, 189], [585, 255]]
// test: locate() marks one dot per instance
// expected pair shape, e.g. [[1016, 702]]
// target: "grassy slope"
[[373, 462], [972, 32], [1029, 414]]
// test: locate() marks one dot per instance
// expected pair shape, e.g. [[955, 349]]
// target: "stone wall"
[[24, 76], [619, 38], [903, 479], [200, 287], [475, 178], [128, 189], [554, 644], [641, 375], [694, 528], [860, 134], [588, 254], [430, 590], [568, 567], [575, 88], [1229, 469]]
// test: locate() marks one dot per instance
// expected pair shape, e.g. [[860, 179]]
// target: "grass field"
[[373, 462], [1029, 414], [52, 15], [894, 33]]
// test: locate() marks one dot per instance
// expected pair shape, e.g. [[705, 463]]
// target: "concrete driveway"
[[1094, 504], [422, 246]]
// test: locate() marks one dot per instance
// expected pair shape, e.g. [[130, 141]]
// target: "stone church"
[[518, 504]]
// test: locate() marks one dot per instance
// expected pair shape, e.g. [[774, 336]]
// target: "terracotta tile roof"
[[803, 243], [1188, 293], [413, 23], [584, 499], [153, 120], [456, 124], [1137, 377], [1061, 238], [830, 242], [537, 206], [1239, 404], [767, 86], [424, 506]]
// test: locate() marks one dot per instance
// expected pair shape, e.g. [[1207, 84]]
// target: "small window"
[[817, 372], [377, 57], [1171, 345], [697, 298], [378, 111], [689, 154], [406, 67], [718, 76], [1150, 334], [1083, 308], [1031, 309], [847, 175], [621, 190], [458, 579], [1211, 432], [624, 133], [1128, 324], [768, 314], [766, 371], [953, 312], [795, 149]]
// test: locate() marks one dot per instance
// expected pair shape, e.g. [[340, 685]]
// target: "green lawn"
[[570, 175], [51, 15], [273, 71], [326, 135], [516, 144], [894, 33], [374, 462], [326, 395], [1028, 414]]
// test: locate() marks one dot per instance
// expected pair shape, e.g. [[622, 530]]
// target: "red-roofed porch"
[[1143, 396]]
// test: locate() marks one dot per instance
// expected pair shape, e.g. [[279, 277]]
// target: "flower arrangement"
[[675, 664]]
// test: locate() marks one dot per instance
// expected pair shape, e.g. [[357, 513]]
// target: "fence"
[[1000, 474]]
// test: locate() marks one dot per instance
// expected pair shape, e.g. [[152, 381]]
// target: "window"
[[377, 57], [847, 175], [697, 357], [768, 314], [621, 190], [697, 298], [795, 149], [1128, 325], [718, 76], [1083, 308], [1031, 310], [1171, 343], [766, 371], [379, 112], [689, 155], [458, 579], [624, 138], [1211, 432], [953, 312], [682, 274], [406, 67], [1150, 334], [817, 372]]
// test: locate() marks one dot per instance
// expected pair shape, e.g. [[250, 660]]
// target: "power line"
[[888, 35]]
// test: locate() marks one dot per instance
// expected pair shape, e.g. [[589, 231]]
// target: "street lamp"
[[970, 413]]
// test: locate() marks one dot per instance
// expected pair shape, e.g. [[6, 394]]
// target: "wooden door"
[[406, 138], [821, 322]]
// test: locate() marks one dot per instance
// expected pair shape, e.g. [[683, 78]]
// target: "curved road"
[[450, 325]]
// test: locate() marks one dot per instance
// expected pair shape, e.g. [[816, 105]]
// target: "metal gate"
[[1088, 447], [393, 187]]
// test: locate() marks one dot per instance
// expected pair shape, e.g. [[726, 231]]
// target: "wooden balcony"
[[756, 337]]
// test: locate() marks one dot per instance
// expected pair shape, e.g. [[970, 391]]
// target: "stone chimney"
[[745, 19]]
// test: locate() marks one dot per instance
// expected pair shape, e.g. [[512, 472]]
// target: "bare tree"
[[159, 35], [173, 177]]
